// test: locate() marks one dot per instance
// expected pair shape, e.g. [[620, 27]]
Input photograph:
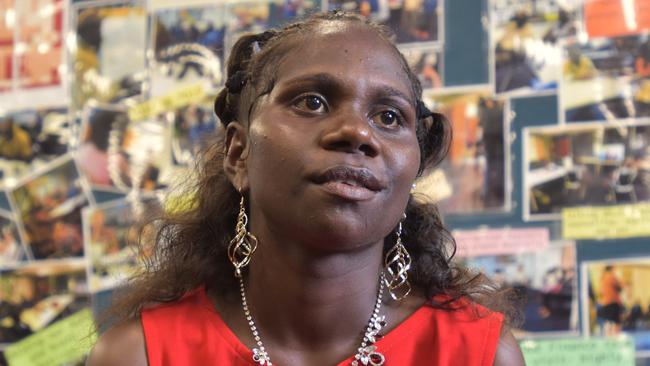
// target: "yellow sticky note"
[[179, 98], [65, 341], [610, 222]]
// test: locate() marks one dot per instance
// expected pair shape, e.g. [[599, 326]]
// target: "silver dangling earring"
[[243, 245], [396, 265]]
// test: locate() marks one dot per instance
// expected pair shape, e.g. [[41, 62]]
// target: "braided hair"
[[190, 246]]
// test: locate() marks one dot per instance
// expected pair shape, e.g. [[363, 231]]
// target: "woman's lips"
[[348, 191], [352, 183]]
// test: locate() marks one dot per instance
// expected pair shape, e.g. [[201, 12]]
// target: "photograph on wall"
[[615, 298], [105, 35], [34, 296], [40, 35], [117, 154], [590, 164], [472, 179], [605, 79], [411, 20], [246, 17], [257, 16], [48, 205], [31, 138], [613, 18], [193, 128], [188, 47], [544, 282], [283, 12], [426, 62], [525, 43], [11, 249], [111, 237], [7, 28]]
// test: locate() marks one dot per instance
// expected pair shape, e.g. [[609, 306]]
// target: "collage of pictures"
[[90, 142]]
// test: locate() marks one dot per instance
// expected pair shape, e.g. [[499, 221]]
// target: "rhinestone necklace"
[[366, 354]]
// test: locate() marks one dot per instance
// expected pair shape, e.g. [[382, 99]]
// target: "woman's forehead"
[[352, 51]]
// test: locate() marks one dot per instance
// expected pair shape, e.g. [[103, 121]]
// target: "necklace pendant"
[[261, 357], [368, 356]]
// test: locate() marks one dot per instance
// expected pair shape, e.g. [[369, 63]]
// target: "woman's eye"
[[387, 118], [311, 103]]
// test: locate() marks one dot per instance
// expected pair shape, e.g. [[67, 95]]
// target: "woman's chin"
[[340, 238]]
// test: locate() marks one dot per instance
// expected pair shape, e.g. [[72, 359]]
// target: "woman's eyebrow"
[[385, 91], [323, 79], [330, 82]]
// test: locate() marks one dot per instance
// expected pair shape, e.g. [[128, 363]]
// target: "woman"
[[325, 134]]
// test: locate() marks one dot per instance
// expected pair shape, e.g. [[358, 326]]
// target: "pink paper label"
[[472, 243]]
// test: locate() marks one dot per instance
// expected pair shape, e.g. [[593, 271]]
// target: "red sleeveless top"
[[191, 332]]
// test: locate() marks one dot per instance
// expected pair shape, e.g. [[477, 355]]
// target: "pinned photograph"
[[411, 21], [591, 164], [616, 299], [31, 138], [48, 205], [473, 177], [11, 249], [525, 43], [544, 282], [40, 35], [105, 34], [427, 65], [118, 154], [193, 127], [257, 16], [111, 235], [34, 296], [7, 46], [188, 47], [246, 17], [606, 79], [282, 12], [614, 18]]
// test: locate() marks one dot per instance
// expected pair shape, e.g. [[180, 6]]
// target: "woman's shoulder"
[[127, 343], [474, 321], [123, 344], [464, 309]]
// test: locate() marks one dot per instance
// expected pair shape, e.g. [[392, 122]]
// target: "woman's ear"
[[234, 163]]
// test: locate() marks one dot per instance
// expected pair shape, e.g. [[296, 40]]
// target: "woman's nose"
[[350, 133]]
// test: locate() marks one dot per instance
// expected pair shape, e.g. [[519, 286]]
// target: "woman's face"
[[333, 149]]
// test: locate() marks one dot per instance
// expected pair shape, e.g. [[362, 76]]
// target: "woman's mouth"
[[355, 184]]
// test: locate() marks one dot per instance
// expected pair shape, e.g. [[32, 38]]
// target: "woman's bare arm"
[[121, 345], [508, 351]]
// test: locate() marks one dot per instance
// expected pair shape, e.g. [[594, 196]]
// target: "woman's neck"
[[311, 308], [308, 300]]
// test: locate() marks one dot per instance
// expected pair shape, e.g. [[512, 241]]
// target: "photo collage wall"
[[106, 104]]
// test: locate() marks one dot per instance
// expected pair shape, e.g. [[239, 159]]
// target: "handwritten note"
[[65, 341], [579, 352], [501, 241], [613, 222], [174, 100]]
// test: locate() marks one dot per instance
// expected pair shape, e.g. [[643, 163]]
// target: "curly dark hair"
[[189, 248]]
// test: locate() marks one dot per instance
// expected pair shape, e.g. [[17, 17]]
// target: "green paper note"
[[579, 352], [65, 341]]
